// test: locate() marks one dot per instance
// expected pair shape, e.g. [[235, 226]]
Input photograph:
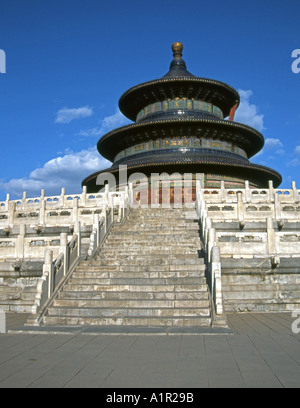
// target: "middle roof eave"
[[121, 138]]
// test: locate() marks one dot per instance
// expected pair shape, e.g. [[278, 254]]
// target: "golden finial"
[[177, 48]]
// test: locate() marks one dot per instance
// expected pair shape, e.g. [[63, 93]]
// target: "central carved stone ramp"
[[148, 273]]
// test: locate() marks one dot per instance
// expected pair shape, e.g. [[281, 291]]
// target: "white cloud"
[[273, 146], [293, 163], [107, 124], [296, 161], [66, 115], [247, 113], [66, 171], [69, 169], [271, 143]]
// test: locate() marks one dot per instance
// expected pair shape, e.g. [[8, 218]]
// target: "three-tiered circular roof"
[[165, 122], [178, 83]]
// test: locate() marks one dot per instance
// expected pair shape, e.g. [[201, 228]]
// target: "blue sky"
[[69, 61]]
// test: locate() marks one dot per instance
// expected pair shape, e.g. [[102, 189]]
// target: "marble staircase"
[[150, 272]]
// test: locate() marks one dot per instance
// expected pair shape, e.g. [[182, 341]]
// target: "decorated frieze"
[[185, 143], [178, 104]]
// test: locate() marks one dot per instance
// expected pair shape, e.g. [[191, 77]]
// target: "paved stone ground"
[[262, 352]]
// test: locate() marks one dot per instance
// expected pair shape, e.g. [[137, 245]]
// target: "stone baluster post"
[[62, 197], [83, 196], [217, 280], [20, 250], [42, 208], [240, 207], [223, 191], [215, 260], [105, 216], [247, 191], [7, 202], [208, 225], [2, 322], [125, 201], [198, 188], [63, 249], [11, 213], [24, 200], [130, 194], [277, 207], [211, 242], [120, 208], [106, 194], [271, 236], [75, 210], [49, 270], [77, 230], [271, 197], [296, 196], [96, 228]]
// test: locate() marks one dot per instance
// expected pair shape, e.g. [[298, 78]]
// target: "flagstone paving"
[[262, 351]]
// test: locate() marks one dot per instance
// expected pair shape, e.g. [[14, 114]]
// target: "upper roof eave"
[[141, 95]]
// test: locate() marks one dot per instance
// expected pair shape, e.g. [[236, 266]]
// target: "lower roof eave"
[[246, 171]]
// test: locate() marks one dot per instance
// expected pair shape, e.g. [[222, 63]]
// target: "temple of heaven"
[[183, 124]]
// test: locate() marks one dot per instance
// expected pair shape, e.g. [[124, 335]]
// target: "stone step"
[[159, 233], [121, 252], [155, 258], [185, 238], [282, 295], [97, 268], [156, 223], [183, 287], [156, 212], [5, 288], [158, 208], [162, 219], [148, 245], [253, 305], [261, 287], [15, 302], [165, 214], [17, 293], [113, 295], [129, 321], [137, 281], [131, 304], [162, 228], [116, 240], [137, 261], [124, 275], [162, 249], [259, 278], [127, 312], [16, 307]]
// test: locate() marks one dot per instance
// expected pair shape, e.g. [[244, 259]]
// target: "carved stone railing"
[[251, 195], [64, 209], [101, 228], [56, 272], [212, 252]]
